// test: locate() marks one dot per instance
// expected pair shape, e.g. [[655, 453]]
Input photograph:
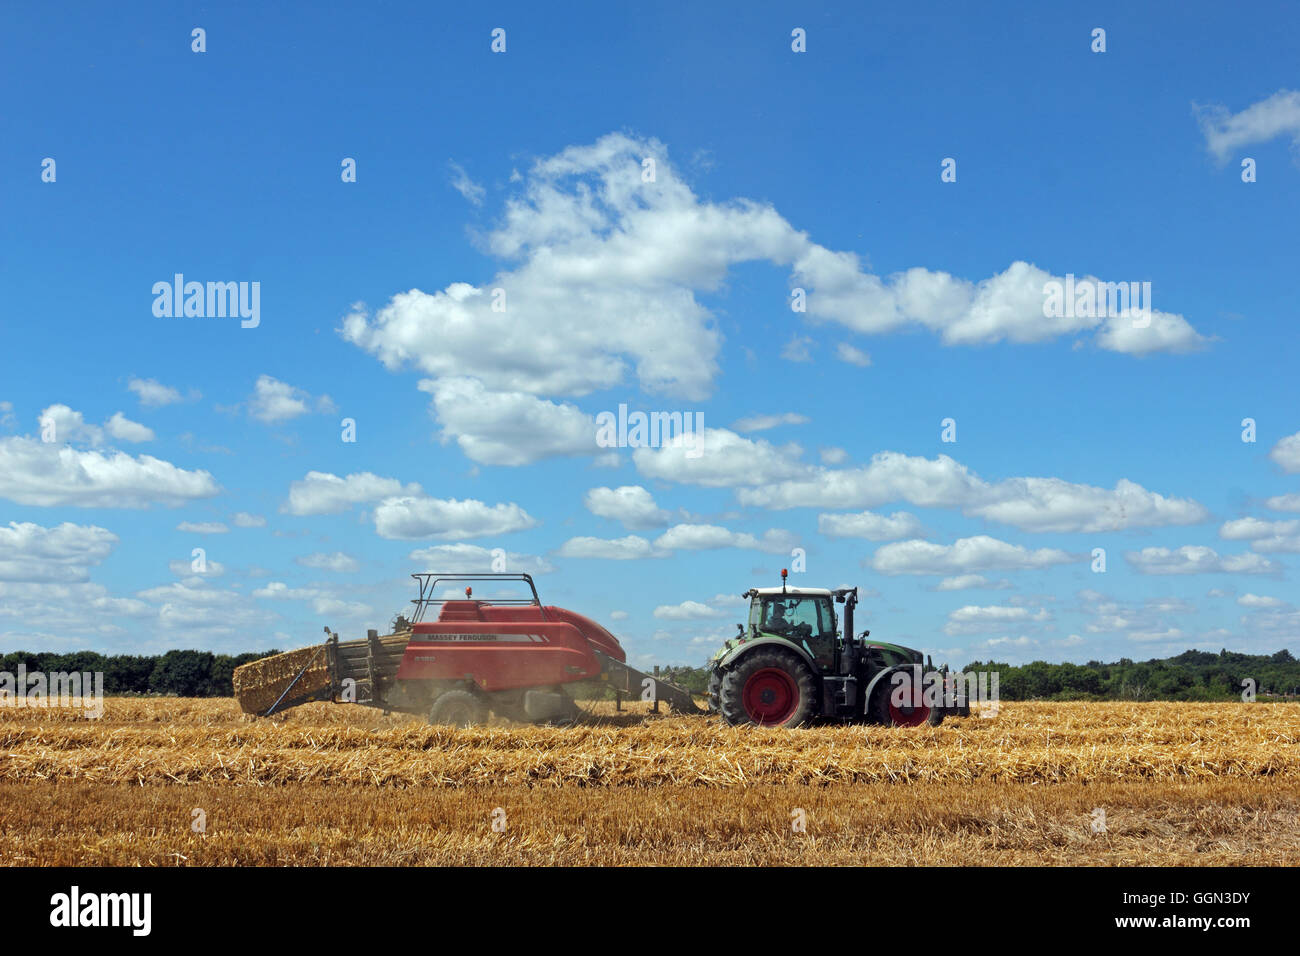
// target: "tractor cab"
[[804, 616]]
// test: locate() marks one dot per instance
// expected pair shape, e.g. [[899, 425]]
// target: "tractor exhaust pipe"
[[850, 599]]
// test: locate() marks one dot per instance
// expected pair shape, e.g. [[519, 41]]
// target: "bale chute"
[[305, 674]]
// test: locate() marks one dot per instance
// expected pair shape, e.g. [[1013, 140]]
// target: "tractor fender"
[[736, 653], [886, 676]]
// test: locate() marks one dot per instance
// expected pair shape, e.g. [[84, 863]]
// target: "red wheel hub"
[[770, 696], [908, 716]]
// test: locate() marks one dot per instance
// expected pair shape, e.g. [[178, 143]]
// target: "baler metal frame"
[[428, 580]]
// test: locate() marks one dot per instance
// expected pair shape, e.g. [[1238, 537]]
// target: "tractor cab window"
[[799, 618]]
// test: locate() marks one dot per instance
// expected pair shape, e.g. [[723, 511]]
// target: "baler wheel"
[[769, 688], [459, 708]]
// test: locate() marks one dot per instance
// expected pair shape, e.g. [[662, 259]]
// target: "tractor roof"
[[809, 592]]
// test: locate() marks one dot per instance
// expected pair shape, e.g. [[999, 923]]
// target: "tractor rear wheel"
[[885, 711], [770, 688], [459, 708]]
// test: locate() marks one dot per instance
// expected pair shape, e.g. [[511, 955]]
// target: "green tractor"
[[792, 664]]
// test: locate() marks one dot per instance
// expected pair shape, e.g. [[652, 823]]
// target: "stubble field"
[[1051, 783]]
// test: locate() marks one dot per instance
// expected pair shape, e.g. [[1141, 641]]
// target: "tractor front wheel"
[[459, 708], [715, 688], [770, 688]]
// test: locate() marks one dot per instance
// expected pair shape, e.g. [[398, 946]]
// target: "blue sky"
[[773, 170]]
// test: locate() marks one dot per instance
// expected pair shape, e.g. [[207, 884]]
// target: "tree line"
[[175, 673], [1192, 675]]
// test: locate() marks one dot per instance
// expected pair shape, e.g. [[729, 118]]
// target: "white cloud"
[[1260, 601], [336, 561], [198, 612], [322, 493], [322, 602], [618, 615], [1250, 529], [243, 519], [1266, 537], [1278, 115], [508, 428], [966, 555], [758, 423], [702, 537], [867, 524], [1276, 623], [62, 554], [1050, 504], [153, 394], [334, 607], [973, 619], [184, 568], [1168, 634], [1161, 332], [411, 517], [940, 482], [461, 182], [629, 548], [1197, 559], [1031, 504], [1289, 502], [833, 456], [1107, 615], [1022, 641], [7, 417], [723, 459], [797, 350], [966, 582], [687, 611], [471, 558], [854, 356], [632, 505], [1008, 306], [274, 401], [606, 273], [123, 429], [280, 591], [203, 527], [51, 475], [1168, 605], [1286, 453], [61, 424], [68, 615]]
